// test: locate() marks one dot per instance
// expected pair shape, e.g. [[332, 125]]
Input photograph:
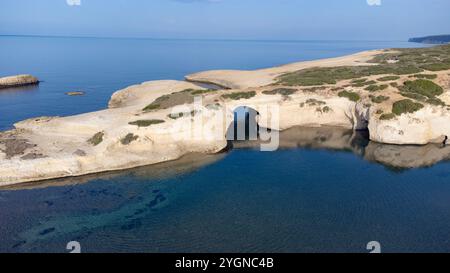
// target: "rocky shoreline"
[[401, 96]]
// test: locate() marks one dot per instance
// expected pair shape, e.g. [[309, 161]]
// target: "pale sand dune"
[[241, 79]]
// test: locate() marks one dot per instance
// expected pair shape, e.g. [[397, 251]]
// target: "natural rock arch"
[[244, 125]]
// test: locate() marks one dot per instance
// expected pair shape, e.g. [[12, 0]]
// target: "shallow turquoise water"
[[293, 200], [308, 197]]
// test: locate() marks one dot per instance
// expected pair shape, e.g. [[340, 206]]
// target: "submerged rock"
[[18, 80]]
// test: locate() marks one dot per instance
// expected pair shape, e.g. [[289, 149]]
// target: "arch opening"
[[244, 126]]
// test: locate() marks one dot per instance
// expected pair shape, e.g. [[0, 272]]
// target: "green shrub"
[[280, 91], [314, 102], [128, 139], [413, 96], [406, 106], [414, 57], [146, 122], [404, 70], [156, 104], [424, 76], [349, 95], [436, 66], [378, 99], [239, 95], [201, 92], [151, 107], [435, 101], [181, 114], [423, 87], [361, 84], [388, 78], [326, 109], [96, 139], [171, 100], [314, 89], [358, 81], [387, 116], [408, 61], [373, 88], [330, 75]]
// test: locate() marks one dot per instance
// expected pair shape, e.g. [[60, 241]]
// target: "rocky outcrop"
[[60, 141], [16, 81], [160, 121]]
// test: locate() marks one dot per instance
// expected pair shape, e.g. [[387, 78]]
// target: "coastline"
[[55, 147]]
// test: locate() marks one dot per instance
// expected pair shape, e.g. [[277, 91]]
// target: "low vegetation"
[[183, 114], [398, 62], [387, 116], [128, 139], [430, 58], [151, 107], [349, 95], [331, 75], [388, 78], [96, 139], [374, 88], [239, 95], [436, 66], [422, 87], [146, 122], [325, 109], [424, 76], [362, 82], [314, 89], [358, 81], [413, 96], [435, 101], [314, 102], [195, 92], [280, 91], [406, 106], [171, 100], [378, 99]]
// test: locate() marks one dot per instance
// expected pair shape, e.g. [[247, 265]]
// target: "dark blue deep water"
[[314, 196]]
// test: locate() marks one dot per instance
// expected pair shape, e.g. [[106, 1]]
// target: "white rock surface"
[[19, 80], [54, 147]]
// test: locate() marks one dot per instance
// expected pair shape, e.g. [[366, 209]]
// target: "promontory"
[[401, 96]]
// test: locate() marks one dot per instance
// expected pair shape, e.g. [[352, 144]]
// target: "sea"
[[323, 190]]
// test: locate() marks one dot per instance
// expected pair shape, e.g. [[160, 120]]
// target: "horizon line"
[[197, 39]]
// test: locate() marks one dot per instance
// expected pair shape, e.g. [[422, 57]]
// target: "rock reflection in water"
[[171, 200], [395, 157], [184, 165], [357, 142]]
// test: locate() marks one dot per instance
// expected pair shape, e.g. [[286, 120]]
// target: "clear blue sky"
[[236, 19]]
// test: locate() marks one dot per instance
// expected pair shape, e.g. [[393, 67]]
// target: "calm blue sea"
[[297, 199]]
